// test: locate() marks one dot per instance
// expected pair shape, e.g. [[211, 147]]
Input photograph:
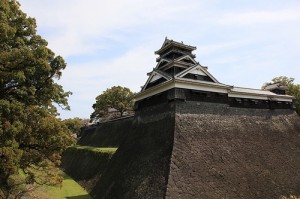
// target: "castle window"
[[254, 101], [238, 100]]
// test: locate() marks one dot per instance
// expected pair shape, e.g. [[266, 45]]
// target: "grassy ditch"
[[43, 190], [68, 189], [86, 164]]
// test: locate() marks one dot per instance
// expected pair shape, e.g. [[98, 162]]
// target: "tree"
[[75, 124], [30, 133], [114, 100], [293, 89]]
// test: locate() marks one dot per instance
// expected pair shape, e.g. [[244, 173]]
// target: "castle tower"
[[178, 76]]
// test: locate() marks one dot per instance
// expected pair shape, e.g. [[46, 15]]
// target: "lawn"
[[69, 189], [96, 149]]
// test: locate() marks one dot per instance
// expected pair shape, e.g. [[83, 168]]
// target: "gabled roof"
[[162, 60], [186, 57], [177, 63], [167, 43], [197, 67], [154, 73], [277, 85], [162, 73], [194, 81]]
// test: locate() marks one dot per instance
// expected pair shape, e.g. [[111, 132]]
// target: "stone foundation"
[[191, 149]]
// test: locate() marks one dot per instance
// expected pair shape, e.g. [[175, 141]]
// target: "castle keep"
[[178, 76], [194, 137]]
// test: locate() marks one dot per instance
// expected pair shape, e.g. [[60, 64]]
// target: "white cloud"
[[89, 79], [241, 48], [208, 49], [79, 23], [259, 17]]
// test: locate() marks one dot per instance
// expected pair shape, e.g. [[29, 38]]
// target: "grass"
[[68, 189], [95, 149]]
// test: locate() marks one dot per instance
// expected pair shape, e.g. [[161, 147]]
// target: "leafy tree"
[[293, 89], [117, 98], [75, 124], [29, 131]]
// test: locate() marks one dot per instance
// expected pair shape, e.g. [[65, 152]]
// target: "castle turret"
[[175, 57], [277, 88]]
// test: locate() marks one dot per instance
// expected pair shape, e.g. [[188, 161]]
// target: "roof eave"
[[262, 95], [149, 90], [158, 52], [206, 83]]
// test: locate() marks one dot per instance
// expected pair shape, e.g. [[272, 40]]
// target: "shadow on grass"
[[80, 197], [65, 176]]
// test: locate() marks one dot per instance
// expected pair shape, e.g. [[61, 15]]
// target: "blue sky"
[[110, 43]]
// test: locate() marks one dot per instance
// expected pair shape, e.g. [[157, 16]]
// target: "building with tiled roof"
[[178, 76]]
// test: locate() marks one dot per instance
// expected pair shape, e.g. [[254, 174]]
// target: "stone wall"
[[140, 167], [108, 134], [190, 149], [225, 152], [85, 166]]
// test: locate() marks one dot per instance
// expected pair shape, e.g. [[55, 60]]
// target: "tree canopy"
[[112, 103], [293, 89], [30, 133], [75, 124]]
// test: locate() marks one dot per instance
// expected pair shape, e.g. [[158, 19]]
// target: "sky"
[[112, 43]]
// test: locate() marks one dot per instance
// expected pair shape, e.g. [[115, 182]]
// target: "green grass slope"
[[85, 164], [69, 190]]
